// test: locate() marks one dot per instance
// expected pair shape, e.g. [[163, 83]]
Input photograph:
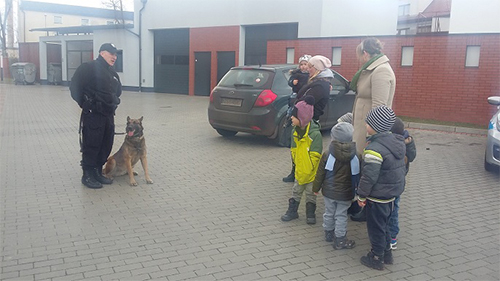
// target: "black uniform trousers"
[[377, 218], [98, 132]]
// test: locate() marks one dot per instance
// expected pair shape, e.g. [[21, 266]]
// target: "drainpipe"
[[140, 43]]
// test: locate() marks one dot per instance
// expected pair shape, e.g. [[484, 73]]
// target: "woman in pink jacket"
[[374, 84]]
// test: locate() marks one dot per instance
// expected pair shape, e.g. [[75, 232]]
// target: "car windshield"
[[252, 78]]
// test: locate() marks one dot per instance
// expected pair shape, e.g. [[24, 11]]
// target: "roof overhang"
[[85, 29]]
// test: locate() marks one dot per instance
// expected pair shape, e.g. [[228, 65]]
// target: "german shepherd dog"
[[132, 149]]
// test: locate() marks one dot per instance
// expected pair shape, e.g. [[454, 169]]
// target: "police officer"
[[96, 88]]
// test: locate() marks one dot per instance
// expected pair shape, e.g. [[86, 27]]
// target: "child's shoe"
[[372, 261], [394, 243], [310, 213], [343, 243], [329, 235]]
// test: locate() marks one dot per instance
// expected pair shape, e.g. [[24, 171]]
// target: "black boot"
[[388, 259], [372, 261], [329, 235], [343, 243], [100, 177], [291, 213], [310, 213], [89, 180], [291, 176]]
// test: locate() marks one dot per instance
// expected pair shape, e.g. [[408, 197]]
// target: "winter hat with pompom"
[[304, 110]]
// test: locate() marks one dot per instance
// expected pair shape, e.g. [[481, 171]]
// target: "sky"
[[129, 4]]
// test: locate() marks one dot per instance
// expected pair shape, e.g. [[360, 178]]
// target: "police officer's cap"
[[108, 47]]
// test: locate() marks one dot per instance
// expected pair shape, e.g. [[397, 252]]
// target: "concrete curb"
[[444, 128]]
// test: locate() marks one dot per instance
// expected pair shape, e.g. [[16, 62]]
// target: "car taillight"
[[212, 96], [265, 98]]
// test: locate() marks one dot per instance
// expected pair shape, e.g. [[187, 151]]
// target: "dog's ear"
[[128, 119], [140, 119]]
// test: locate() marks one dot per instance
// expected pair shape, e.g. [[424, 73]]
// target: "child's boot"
[[291, 176], [329, 235], [291, 213], [343, 243], [372, 261], [388, 259], [310, 213]]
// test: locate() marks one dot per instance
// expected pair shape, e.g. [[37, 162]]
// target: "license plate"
[[230, 102]]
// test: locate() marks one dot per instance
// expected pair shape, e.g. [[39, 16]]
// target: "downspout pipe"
[[140, 43]]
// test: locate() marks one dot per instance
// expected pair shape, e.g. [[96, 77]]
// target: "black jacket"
[[383, 172], [302, 78], [320, 90], [96, 86], [338, 184]]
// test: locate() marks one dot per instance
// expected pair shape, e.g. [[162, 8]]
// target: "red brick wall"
[[212, 39], [438, 86]]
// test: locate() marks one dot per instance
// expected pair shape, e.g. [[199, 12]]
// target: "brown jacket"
[[376, 86]]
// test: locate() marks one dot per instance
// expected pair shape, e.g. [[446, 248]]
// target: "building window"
[[404, 10], [407, 56], [290, 55], [172, 60], [57, 20], [336, 55], [85, 22], [119, 61], [472, 56], [404, 31]]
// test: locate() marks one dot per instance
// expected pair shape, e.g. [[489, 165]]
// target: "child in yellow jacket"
[[306, 149]]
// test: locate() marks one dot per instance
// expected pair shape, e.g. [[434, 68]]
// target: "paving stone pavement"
[[213, 212]]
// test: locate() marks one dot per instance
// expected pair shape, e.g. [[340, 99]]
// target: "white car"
[[492, 155]]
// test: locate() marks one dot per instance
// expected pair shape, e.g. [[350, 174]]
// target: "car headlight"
[[498, 122]]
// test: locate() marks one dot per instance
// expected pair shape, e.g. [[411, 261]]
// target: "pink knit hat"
[[320, 62], [304, 110]]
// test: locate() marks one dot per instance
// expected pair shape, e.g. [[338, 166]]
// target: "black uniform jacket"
[[96, 86]]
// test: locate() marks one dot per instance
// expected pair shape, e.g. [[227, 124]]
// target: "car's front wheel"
[[490, 167], [226, 133]]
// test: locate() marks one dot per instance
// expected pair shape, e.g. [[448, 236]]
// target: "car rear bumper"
[[493, 147], [259, 121]]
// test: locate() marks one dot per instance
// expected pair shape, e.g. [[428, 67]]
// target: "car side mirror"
[[495, 100]]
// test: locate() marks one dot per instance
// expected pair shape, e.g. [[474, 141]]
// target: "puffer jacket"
[[306, 149], [319, 88], [384, 169], [302, 78], [339, 183]]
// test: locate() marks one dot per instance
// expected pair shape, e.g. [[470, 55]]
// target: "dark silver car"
[[254, 99]]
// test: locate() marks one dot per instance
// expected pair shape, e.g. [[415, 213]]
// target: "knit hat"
[[398, 127], [320, 62], [342, 132], [304, 110], [381, 118], [346, 118], [305, 58]]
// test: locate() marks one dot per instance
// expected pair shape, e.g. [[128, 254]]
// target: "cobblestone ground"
[[213, 211]]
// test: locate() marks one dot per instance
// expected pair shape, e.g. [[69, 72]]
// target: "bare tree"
[[3, 26], [117, 6]]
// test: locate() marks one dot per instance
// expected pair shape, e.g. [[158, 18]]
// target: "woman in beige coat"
[[374, 85]]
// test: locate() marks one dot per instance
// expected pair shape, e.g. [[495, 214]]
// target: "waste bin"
[[24, 72], [54, 73]]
